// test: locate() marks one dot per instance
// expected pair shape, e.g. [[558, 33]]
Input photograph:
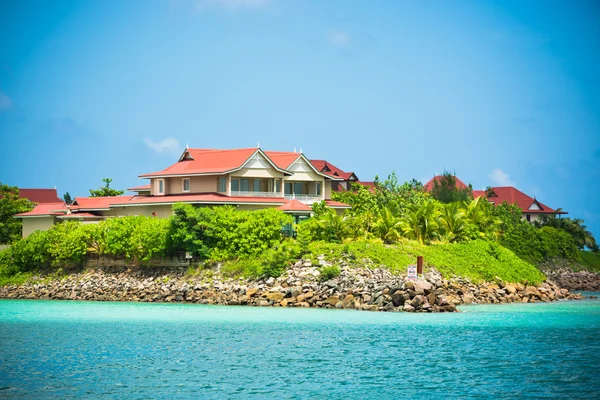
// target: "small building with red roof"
[[531, 208], [341, 180]]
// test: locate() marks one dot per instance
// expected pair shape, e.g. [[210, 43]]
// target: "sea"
[[111, 350]]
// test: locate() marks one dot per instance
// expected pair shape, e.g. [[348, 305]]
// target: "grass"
[[477, 260]]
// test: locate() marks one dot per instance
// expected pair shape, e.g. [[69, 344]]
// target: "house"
[[531, 208], [341, 180], [248, 179]]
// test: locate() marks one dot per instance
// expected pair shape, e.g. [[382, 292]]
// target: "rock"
[[348, 300], [408, 308], [251, 292], [423, 287], [275, 296], [417, 301], [332, 300]]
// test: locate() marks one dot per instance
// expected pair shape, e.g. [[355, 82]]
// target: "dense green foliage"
[[445, 190], [10, 204], [68, 243], [106, 190], [590, 260], [222, 233]]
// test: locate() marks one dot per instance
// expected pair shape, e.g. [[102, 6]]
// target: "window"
[[222, 185], [528, 216], [244, 185], [319, 188], [278, 185], [256, 185], [161, 186], [298, 188], [186, 184], [288, 188], [235, 185]]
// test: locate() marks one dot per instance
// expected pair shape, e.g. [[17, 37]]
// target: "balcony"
[[249, 193], [304, 198]]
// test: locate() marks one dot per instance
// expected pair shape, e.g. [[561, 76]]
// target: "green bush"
[[590, 260], [329, 272]]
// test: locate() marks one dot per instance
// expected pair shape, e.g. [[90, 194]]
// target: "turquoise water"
[[63, 349]]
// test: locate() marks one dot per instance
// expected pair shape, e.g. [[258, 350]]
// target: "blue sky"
[[502, 93]]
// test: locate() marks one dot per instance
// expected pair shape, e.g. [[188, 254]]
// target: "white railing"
[[247, 193], [304, 198]]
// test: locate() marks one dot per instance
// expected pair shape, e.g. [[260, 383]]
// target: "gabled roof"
[[294, 205], [512, 195], [331, 170], [429, 185], [40, 195], [216, 161], [478, 193]]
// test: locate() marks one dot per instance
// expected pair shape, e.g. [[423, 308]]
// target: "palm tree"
[[420, 223], [388, 226], [479, 212], [453, 222], [334, 225]]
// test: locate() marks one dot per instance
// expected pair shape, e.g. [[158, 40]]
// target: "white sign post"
[[412, 273]]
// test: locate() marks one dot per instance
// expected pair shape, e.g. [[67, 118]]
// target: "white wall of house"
[[33, 224]]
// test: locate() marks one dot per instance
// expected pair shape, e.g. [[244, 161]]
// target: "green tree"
[[10, 204], [420, 222], [106, 190], [388, 226], [67, 198], [575, 227], [453, 223], [445, 190]]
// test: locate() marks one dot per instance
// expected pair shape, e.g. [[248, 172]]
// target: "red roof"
[[331, 170], [478, 193], [294, 205], [512, 195], [40, 195], [141, 188], [98, 203], [429, 185], [214, 161], [336, 204], [45, 209]]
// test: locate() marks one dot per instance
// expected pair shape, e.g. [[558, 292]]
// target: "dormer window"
[[186, 185], [325, 169], [160, 186]]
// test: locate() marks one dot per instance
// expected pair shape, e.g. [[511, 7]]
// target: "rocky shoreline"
[[355, 288]]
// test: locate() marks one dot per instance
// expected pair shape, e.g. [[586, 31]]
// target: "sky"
[[502, 93]]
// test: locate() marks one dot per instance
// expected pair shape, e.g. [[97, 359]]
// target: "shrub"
[[329, 272]]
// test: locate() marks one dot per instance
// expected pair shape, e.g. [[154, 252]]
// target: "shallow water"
[[63, 349]]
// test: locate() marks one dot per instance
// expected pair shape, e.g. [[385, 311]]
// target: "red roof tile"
[[294, 205], [512, 195], [40, 195], [79, 215], [331, 170], [478, 193], [45, 209], [139, 188], [98, 203], [429, 185], [336, 204]]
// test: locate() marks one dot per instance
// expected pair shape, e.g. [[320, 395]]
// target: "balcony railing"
[[304, 198], [247, 193]]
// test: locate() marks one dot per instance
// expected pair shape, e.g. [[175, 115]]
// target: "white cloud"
[[5, 101], [500, 178], [339, 38], [164, 146], [231, 4]]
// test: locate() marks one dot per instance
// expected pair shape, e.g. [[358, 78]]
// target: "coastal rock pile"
[[355, 288], [582, 280]]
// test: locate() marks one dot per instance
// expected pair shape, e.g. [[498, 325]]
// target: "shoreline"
[[299, 286]]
